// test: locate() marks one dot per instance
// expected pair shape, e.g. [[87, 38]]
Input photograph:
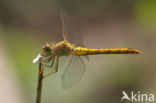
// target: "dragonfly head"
[[47, 49]]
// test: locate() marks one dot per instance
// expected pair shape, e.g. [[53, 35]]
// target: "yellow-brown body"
[[64, 48], [86, 51]]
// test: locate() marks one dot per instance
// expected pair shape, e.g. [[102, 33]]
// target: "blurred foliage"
[[146, 13], [29, 24], [20, 46]]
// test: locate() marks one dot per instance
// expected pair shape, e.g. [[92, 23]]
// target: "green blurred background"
[[25, 25]]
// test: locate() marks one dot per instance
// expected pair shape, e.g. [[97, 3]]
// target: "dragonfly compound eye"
[[46, 50]]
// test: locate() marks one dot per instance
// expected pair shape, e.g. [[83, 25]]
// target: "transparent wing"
[[74, 71], [70, 34]]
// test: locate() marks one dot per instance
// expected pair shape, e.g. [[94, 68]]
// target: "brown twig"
[[40, 78]]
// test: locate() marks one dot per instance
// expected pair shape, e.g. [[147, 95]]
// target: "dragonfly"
[[72, 47]]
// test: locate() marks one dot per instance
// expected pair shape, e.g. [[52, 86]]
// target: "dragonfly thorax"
[[63, 48]]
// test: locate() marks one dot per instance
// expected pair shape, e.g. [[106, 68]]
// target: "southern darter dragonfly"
[[72, 48]]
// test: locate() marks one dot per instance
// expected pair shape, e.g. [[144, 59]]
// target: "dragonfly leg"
[[55, 69], [48, 59], [51, 62]]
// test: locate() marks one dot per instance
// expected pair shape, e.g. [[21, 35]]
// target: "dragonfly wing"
[[69, 33], [64, 25], [74, 71]]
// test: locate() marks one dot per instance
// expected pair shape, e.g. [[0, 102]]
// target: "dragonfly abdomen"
[[79, 51]]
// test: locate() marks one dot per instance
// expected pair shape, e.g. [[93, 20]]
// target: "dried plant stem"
[[40, 78]]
